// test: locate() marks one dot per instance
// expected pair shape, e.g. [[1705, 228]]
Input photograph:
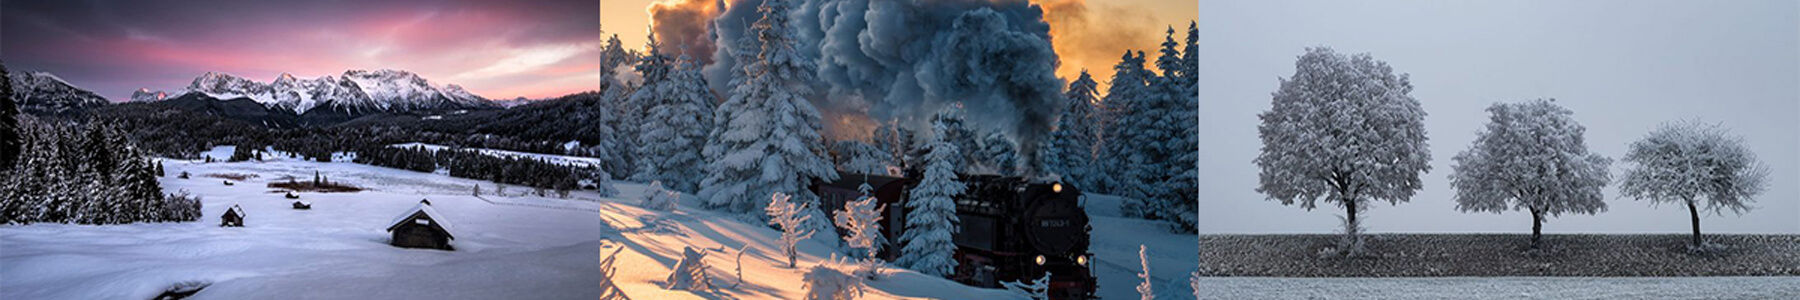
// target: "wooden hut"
[[302, 205], [421, 227], [233, 217]]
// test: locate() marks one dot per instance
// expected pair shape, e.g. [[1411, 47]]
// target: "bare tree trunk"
[[1537, 228], [1694, 213]]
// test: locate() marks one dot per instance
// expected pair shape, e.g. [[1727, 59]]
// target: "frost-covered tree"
[[1689, 162], [1343, 129], [931, 210], [770, 141], [1038, 289], [861, 221], [11, 141], [1532, 156], [791, 218], [1075, 144], [825, 283], [614, 92], [690, 273], [1145, 291], [675, 128], [999, 154]]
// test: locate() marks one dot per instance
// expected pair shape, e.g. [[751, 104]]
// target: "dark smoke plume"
[[907, 59], [683, 26]]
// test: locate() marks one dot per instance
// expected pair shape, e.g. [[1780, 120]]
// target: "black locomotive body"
[[1010, 229]]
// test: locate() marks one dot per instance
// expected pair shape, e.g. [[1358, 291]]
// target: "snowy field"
[[507, 247], [1502, 288]]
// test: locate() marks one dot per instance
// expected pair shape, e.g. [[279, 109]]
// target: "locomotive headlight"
[[1081, 260], [1056, 187], [1040, 260]]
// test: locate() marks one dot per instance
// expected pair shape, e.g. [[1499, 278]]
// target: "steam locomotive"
[[1011, 229]]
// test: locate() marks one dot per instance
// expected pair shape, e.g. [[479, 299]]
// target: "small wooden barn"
[[233, 217], [421, 227]]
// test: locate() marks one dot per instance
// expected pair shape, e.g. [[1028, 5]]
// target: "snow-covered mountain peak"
[[355, 90], [147, 95]]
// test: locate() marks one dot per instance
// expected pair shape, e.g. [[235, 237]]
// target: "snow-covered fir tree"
[[957, 133], [895, 140], [791, 218], [1183, 185], [614, 92], [675, 129], [1694, 164], [85, 174], [658, 71], [658, 198], [1343, 129], [858, 157], [1130, 86], [770, 141], [998, 154], [1152, 139], [1532, 156], [931, 211], [1074, 146]]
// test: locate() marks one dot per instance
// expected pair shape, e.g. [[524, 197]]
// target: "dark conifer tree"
[[11, 139]]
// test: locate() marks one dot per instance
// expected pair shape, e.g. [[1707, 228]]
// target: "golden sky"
[[1087, 34]]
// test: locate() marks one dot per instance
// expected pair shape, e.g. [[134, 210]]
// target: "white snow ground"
[[1502, 288], [508, 247]]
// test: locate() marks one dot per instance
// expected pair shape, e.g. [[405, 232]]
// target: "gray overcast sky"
[[1623, 66]]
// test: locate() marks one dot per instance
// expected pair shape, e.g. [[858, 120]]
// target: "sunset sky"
[[1087, 34], [496, 49]]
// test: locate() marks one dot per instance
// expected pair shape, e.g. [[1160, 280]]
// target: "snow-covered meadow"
[[508, 247]]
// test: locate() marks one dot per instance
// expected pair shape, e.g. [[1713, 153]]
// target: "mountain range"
[[285, 102], [354, 92]]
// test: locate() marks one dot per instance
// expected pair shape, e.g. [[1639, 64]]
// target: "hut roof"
[[425, 208], [236, 210]]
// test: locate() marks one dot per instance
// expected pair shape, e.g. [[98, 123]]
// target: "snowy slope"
[[653, 242], [1115, 241], [43, 93]]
